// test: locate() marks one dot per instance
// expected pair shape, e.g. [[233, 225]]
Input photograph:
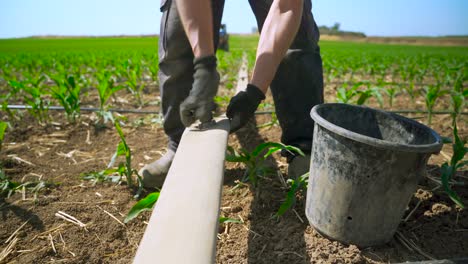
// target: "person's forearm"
[[197, 20], [279, 30]]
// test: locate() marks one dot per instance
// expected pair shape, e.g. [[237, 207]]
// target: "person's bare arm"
[[197, 20], [279, 30]]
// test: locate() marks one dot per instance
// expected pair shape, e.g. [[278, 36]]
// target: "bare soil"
[[59, 153]]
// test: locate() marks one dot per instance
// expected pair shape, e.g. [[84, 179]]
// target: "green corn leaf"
[[291, 195], [341, 95], [71, 81], [376, 92], [263, 146], [16, 84], [288, 148], [122, 148], [459, 150], [225, 220], [145, 204], [446, 175], [457, 102], [3, 127], [233, 156], [465, 93]]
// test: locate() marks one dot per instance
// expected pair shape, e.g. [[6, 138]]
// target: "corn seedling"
[[296, 186], [391, 91], [154, 70], [8, 187], [68, 95], [344, 95], [134, 85], [124, 169], [432, 93], [101, 176], [409, 89], [254, 161], [15, 88], [457, 96], [449, 169], [106, 89], [35, 98], [369, 92]]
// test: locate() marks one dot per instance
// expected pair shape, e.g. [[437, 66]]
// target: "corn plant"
[[297, 185], [432, 92], [9, 187], [134, 83], [409, 89], [101, 176], [367, 93], [124, 169], [457, 96], [35, 98], [5, 98], [106, 88], [344, 95], [154, 70], [391, 90], [68, 95], [254, 161], [449, 169]]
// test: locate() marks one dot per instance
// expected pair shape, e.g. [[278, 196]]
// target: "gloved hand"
[[200, 104], [243, 105]]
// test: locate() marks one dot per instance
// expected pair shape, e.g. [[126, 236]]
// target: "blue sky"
[[20, 18]]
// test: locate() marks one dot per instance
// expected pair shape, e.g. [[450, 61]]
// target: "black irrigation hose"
[[138, 111], [86, 109]]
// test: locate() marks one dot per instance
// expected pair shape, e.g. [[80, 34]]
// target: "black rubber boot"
[[154, 174]]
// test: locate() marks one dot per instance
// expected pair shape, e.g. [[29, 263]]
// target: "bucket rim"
[[379, 143]]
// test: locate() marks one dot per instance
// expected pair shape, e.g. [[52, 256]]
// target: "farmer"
[[288, 61]]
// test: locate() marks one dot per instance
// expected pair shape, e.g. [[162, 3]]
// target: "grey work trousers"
[[296, 87]]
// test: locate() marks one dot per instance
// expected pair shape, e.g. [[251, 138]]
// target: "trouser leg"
[[298, 83], [176, 66]]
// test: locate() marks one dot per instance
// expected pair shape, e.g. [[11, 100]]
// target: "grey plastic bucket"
[[365, 166]]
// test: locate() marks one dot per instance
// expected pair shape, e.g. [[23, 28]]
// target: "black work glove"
[[243, 105], [199, 105]]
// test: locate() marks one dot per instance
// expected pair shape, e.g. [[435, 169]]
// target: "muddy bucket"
[[365, 166]]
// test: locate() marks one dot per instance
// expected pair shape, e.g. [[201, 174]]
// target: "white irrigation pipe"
[[184, 224]]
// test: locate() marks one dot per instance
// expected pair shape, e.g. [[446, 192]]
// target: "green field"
[[362, 70]]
